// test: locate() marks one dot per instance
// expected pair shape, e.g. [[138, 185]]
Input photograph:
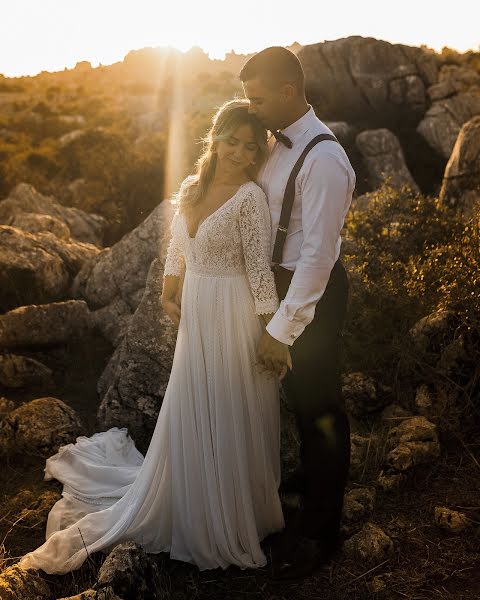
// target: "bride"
[[207, 489]]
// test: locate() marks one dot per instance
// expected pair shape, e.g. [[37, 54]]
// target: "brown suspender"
[[289, 197]]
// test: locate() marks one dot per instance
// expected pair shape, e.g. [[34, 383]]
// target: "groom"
[[313, 289]]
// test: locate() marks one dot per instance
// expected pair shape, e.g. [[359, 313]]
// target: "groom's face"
[[267, 103]]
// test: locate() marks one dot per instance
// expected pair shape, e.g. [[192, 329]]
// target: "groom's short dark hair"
[[275, 66]]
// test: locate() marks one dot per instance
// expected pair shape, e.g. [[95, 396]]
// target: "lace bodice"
[[234, 239]]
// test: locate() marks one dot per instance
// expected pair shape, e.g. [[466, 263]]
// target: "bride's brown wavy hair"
[[231, 115]]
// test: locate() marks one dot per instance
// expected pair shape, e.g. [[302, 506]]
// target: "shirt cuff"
[[283, 330]]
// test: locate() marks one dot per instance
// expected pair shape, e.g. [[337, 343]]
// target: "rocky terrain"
[[84, 343]]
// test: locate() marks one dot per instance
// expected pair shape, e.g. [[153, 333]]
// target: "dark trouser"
[[313, 389]]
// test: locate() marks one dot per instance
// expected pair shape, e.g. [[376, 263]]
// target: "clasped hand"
[[273, 355], [172, 310]]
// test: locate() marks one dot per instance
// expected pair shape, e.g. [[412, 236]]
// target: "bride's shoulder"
[[254, 192]]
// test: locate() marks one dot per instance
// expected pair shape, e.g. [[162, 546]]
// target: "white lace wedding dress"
[[207, 489]]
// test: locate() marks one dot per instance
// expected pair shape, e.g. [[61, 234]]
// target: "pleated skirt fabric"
[[206, 491]]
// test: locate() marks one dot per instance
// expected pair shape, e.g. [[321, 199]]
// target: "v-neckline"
[[212, 213]]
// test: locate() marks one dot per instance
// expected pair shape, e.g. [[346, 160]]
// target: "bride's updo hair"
[[225, 122]]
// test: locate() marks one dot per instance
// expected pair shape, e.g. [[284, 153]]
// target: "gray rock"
[[22, 372], [103, 594], [461, 182], [370, 544], [431, 331], [364, 79], [444, 119], [451, 520], [358, 506], [117, 276], [394, 413], [413, 442], [384, 159], [360, 448], [23, 584], [39, 427], [360, 394], [454, 79], [37, 267], [35, 507], [130, 573], [34, 223], [389, 481], [134, 382], [84, 227], [44, 324]]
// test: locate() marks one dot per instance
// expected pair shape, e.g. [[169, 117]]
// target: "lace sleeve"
[[255, 228], [175, 259]]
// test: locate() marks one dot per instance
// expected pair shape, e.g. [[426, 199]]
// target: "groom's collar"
[[300, 126]]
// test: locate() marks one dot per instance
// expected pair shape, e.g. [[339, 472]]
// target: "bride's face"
[[238, 151]]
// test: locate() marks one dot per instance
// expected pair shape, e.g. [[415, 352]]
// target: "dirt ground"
[[427, 562]]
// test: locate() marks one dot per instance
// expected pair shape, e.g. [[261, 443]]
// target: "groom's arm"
[[326, 196]]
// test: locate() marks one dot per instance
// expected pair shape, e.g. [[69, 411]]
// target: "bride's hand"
[[172, 310], [289, 365]]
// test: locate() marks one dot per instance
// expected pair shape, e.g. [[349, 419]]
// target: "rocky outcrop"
[[37, 267], [34, 223], [17, 372], [42, 325], [383, 156], [360, 394], [134, 381], [444, 119], [431, 332], [357, 79], [113, 282], [84, 227], [452, 80], [39, 427], [461, 183]]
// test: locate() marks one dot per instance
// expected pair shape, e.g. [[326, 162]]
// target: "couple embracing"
[[254, 283]]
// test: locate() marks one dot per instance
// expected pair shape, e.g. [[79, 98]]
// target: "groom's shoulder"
[[326, 151]]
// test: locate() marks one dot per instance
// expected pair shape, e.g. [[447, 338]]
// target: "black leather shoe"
[[303, 558], [294, 484]]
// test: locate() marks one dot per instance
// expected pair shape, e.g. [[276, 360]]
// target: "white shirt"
[[323, 194]]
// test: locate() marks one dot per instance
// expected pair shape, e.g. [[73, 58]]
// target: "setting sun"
[[54, 34]]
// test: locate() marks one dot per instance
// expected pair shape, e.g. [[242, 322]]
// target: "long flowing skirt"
[[207, 489]]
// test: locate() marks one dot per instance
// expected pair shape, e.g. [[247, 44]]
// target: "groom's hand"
[[272, 354]]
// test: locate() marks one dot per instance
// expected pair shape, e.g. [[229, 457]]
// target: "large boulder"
[[383, 156], [17, 372], [84, 227], [37, 267], [461, 182], [44, 325], [444, 119], [454, 79], [34, 223], [134, 381], [39, 427], [358, 79], [113, 282]]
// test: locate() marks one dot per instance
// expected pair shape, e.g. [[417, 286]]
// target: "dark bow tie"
[[281, 137]]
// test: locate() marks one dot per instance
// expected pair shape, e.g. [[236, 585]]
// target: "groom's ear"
[[289, 91]]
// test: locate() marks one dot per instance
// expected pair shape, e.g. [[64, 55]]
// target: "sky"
[[50, 35]]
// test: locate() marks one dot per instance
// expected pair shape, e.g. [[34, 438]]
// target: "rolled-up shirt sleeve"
[[326, 193]]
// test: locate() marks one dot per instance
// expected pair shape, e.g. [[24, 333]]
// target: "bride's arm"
[[173, 269]]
